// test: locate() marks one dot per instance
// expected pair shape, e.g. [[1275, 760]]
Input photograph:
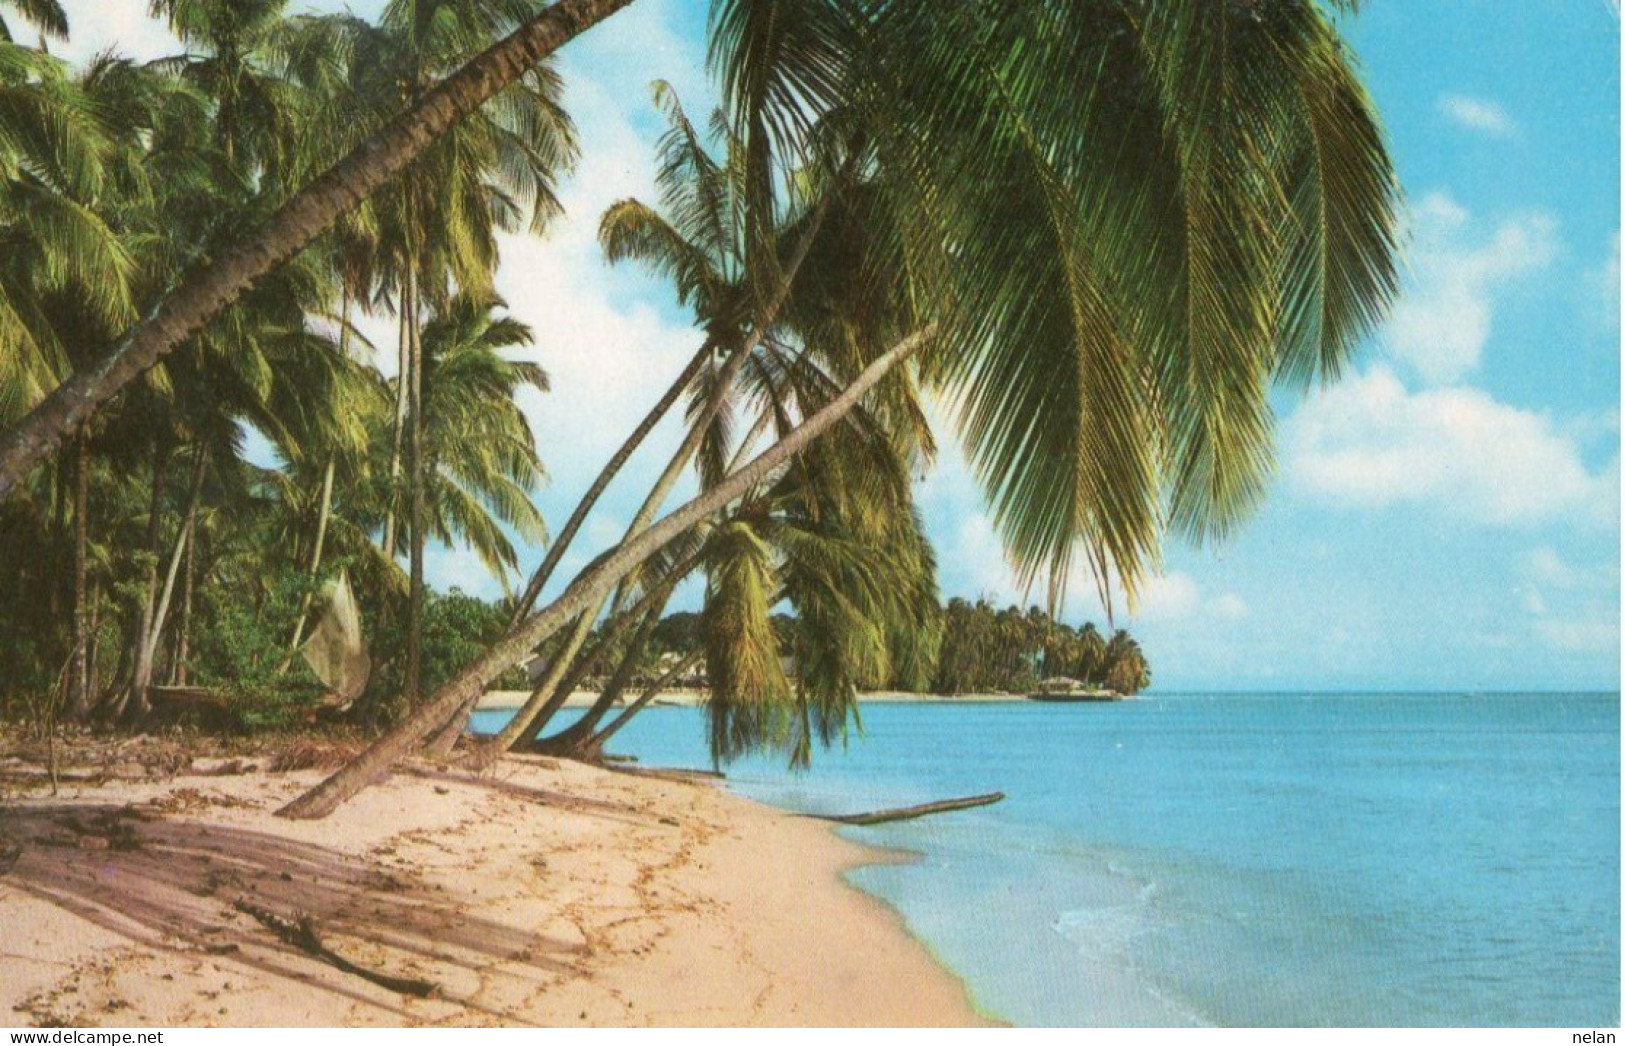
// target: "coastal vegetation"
[[1105, 235]]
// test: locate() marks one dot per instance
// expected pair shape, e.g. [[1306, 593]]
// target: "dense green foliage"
[[1105, 233], [985, 650], [155, 550]]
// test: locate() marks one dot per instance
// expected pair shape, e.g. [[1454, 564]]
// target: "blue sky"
[[1445, 518]]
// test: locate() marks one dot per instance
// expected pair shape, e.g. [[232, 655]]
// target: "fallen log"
[[907, 813], [301, 934]]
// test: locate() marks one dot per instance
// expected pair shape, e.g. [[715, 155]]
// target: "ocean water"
[[1251, 860]]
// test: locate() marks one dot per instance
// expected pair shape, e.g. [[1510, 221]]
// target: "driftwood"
[[905, 813], [665, 773], [301, 934]]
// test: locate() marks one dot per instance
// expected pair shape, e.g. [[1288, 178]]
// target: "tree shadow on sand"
[[172, 885]]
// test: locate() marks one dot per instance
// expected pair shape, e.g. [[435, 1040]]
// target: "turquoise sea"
[[1240, 859]]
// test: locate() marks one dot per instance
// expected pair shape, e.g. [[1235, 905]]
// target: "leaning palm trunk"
[[549, 694], [593, 747], [587, 590], [546, 698], [611, 469], [566, 740], [312, 211], [616, 628], [618, 625]]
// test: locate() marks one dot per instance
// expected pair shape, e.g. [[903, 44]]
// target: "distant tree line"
[[978, 649], [985, 650]]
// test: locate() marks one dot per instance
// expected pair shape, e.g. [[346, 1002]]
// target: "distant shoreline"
[[502, 700]]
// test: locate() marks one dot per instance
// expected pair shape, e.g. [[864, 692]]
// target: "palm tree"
[[299, 221], [1091, 661], [1241, 235], [1126, 669], [45, 15]]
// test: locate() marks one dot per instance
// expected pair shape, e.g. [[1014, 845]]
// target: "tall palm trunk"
[[79, 694], [402, 399], [183, 628], [141, 675], [149, 643], [323, 511], [588, 588], [417, 521], [310, 212]]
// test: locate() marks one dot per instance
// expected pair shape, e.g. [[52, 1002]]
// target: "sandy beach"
[[534, 893]]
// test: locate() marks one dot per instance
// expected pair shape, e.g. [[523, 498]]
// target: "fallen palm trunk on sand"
[[908, 813]]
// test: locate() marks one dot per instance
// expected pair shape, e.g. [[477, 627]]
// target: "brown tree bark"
[[310, 212], [585, 591]]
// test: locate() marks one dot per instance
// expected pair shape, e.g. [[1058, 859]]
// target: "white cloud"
[[1442, 323], [1478, 114], [122, 26], [1370, 442]]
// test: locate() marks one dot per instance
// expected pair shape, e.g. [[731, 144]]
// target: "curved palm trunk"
[[611, 469], [306, 216], [586, 590]]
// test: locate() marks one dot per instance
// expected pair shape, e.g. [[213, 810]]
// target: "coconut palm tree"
[[1240, 235], [1127, 671], [299, 221], [46, 16]]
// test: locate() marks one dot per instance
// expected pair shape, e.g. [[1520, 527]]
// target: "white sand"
[[539, 893]]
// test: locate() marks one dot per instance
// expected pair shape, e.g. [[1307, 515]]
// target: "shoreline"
[[506, 700], [539, 892]]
